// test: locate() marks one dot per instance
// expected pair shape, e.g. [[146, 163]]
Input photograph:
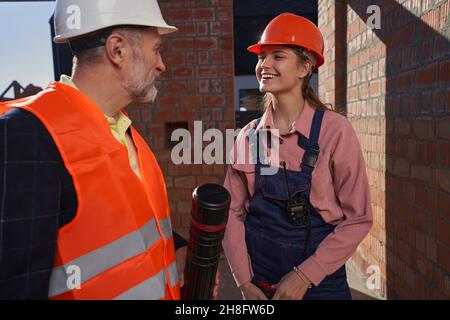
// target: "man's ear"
[[116, 47]]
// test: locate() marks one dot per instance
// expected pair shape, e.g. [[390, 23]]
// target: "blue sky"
[[25, 52]]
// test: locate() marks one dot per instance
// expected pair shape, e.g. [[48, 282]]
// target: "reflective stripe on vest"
[[166, 227], [108, 256], [173, 273], [153, 288]]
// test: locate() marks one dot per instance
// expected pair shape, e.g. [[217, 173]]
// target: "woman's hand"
[[252, 292], [215, 294], [291, 287]]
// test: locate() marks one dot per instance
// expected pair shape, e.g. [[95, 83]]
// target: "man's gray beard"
[[147, 95], [135, 84]]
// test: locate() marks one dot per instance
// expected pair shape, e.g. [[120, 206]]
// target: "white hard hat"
[[74, 18]]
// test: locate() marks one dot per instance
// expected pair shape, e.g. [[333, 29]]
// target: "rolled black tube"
[[210, 205]]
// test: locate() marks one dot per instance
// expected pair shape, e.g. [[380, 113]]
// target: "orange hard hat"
[[291, 29]]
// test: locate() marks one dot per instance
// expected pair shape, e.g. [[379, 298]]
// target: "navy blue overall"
[[274, 244]]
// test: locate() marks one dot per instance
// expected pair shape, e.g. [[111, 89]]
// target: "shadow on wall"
[[415, 108]]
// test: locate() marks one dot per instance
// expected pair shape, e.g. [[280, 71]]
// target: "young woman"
[[289, 234]]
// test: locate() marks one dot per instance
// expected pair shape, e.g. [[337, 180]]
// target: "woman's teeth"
[[268, 76]]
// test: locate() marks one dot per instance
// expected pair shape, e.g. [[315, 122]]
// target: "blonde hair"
[[303, 55]]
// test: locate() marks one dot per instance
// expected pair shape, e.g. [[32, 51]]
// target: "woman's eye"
[[279, 57]]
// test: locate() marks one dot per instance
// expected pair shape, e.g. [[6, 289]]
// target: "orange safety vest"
[[120, 244]]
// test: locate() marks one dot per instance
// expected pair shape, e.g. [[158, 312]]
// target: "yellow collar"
[[119, 124]]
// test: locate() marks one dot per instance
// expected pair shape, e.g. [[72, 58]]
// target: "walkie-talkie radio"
[[296, 207]]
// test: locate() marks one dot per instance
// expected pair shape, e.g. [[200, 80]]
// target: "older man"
[[84, 210]]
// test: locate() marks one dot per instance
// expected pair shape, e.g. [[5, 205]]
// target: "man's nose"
[[161, 67]]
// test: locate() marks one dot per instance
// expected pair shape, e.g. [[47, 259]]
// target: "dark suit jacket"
[[37, 197]]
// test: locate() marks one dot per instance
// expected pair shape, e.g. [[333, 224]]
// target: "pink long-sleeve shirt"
[[339, 192]]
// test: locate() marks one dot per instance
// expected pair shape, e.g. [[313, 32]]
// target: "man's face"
[[146, 65]]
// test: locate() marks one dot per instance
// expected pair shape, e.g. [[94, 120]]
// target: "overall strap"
[[312, 147], [308, 163], [257, 123], [254, 143]]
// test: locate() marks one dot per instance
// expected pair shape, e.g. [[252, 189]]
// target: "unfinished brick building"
[[393, 84]]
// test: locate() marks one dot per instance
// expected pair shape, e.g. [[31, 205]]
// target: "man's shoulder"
[[26, 137], [18, 120], [19, 116], [20, 110]]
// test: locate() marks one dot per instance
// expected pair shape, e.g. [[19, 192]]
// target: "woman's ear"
[[305, 69]]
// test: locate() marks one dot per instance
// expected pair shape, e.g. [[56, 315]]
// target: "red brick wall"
[[197, 85], [332, 75], [398, 100], [366, 59]]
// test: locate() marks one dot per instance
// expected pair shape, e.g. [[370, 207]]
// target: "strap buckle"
[[311, 156]]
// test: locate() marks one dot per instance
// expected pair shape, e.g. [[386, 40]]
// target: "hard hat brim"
[[166, 30], [162, 30], [257, 48]]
